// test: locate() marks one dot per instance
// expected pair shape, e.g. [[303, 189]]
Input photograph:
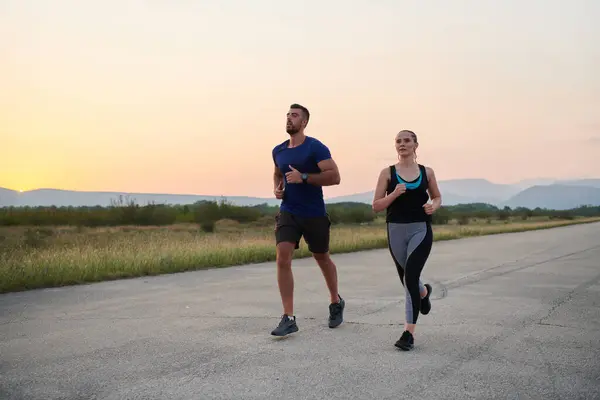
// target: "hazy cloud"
[[593, 126], [593, 140]]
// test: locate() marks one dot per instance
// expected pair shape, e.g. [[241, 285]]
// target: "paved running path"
[[515, 316]]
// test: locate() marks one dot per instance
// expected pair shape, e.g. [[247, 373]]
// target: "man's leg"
[[337, 305], [287, 236], [329, 270], [285, 276], [317, 234]]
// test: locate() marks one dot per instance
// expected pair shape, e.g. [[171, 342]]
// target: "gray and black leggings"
[[410, 245]]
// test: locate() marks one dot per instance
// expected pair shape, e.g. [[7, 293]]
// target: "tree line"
[[207, 213]]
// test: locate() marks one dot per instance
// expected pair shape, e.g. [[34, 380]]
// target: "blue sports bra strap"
[[412, 185]]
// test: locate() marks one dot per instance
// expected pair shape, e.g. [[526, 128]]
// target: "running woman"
[[403, 190]]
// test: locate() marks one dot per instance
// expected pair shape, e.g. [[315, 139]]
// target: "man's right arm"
[[277, 174]]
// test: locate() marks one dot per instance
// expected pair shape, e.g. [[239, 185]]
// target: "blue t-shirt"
[[302, 199]]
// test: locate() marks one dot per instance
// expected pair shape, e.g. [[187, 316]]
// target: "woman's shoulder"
[[428, 170], [387, 171]]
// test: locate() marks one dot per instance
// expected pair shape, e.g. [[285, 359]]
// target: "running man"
[[403, 190], [303, 165]]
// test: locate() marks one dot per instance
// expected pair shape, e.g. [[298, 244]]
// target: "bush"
[[208, 226], [463, 220], [350, 213], [503, 215], [441, 216]]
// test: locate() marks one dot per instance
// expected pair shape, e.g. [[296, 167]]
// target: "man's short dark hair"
[[304, 110]]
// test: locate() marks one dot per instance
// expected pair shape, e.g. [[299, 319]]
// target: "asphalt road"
[[515, 316]]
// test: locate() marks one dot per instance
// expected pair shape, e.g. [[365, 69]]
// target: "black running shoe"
[[286, 326], [425, 302], [406, 341], [336, 313]]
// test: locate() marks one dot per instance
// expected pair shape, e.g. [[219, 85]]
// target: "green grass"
[[33, 257]]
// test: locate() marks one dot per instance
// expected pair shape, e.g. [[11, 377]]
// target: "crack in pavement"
[[562, 326], [488, 274], [568, 297]]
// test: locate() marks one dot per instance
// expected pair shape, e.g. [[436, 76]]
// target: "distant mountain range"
[[552, 194], [547, 193], [58, 197]]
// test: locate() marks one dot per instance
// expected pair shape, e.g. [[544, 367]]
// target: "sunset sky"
[[190, 96]]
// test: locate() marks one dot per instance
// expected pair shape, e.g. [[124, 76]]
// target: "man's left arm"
[[330, 174]]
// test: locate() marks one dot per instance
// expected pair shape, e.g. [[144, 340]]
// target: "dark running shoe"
[[286, 326], [336, 313], [406, 341], [425, 302]]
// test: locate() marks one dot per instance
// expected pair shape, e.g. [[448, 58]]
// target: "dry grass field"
[[37, 257]]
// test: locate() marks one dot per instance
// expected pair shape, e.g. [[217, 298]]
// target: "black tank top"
[[408, 207]]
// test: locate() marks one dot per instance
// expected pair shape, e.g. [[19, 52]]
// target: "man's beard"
[[291, 129]]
